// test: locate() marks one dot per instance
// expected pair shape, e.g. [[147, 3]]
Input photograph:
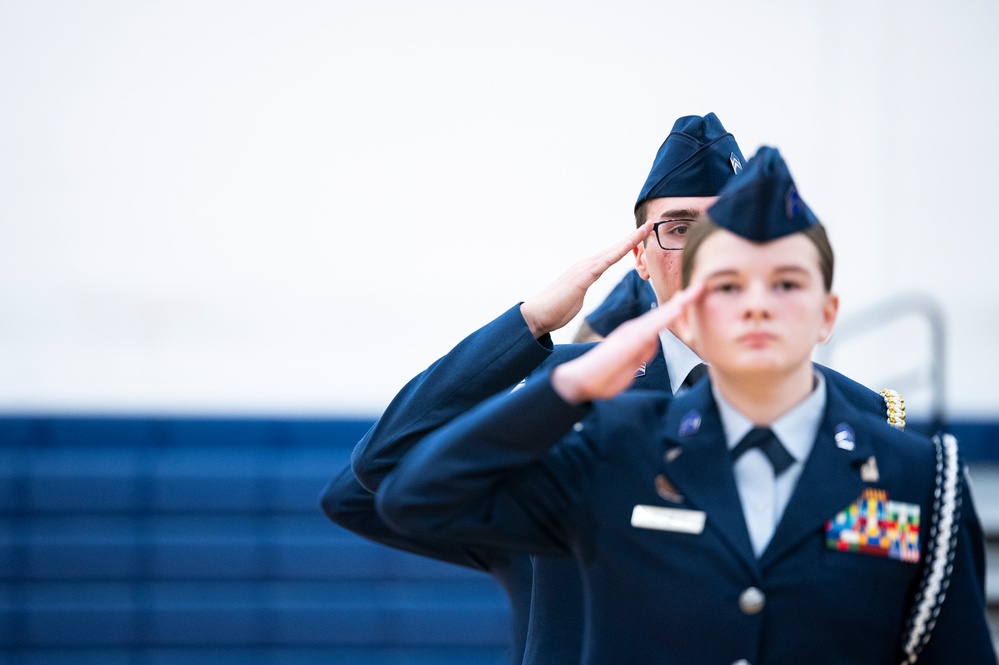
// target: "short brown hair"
[[705, 227], [640, 213]]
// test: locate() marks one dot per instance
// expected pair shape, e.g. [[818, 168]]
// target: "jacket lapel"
[[697, 462], [830, 481]]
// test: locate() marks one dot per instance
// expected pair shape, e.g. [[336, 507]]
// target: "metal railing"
[[877, 317]]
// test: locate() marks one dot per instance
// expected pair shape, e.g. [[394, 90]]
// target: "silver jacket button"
[[751, 601]]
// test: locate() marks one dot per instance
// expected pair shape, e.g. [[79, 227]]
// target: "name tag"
[[667, 519]]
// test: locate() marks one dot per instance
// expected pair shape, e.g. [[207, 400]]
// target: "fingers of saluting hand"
[[609, 368], [664, 315], [561, 300], [597, 264], [649, 325]]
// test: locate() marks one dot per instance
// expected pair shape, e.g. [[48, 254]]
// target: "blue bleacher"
[[200, 540]]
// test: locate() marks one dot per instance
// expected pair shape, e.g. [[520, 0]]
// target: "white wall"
[[293, 207]]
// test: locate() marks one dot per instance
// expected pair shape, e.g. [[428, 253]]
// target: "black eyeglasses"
[[671, 234]]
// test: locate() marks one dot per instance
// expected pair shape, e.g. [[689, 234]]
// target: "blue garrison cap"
[[696, 159], [763, 203]]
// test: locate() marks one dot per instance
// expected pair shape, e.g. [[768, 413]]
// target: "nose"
[[756, 302]]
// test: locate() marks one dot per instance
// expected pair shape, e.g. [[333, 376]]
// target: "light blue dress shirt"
[[764, 497]]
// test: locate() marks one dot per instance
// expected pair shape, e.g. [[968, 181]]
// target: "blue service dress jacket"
[[528, 472], [491, 360], [545, 593]]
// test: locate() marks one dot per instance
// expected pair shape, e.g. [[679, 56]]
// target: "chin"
[[758, 357], [762, 365]]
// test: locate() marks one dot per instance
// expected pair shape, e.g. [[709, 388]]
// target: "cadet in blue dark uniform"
[[689, 169], [763, 517]]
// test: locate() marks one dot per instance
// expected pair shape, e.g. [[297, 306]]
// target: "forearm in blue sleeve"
[[495, 476], [346, 503], [490, 360]]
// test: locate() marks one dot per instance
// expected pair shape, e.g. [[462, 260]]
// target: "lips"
[[757, 338]]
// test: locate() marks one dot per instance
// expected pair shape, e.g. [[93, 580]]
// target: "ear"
[[829, 312], [640, 260]]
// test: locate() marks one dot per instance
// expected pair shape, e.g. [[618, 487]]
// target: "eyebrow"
[[726, 272], [679, 213], [721, 273], [791, 268]]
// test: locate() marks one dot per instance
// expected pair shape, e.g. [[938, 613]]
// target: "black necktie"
[[764, 439], [695, 375]]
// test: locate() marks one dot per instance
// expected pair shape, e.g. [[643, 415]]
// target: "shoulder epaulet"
[[894, 407]]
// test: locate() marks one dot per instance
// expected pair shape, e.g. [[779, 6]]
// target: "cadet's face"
[[661, 266], [764, 305]]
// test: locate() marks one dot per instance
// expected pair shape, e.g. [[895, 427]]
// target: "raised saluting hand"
[[560, 301]]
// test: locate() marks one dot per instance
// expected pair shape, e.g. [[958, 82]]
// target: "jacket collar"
[[698, 463]]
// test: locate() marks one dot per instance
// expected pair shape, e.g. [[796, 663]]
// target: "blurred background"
[[231, 231]]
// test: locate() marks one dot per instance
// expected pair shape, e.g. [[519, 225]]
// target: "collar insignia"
[[690, 424], [844, 437]]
